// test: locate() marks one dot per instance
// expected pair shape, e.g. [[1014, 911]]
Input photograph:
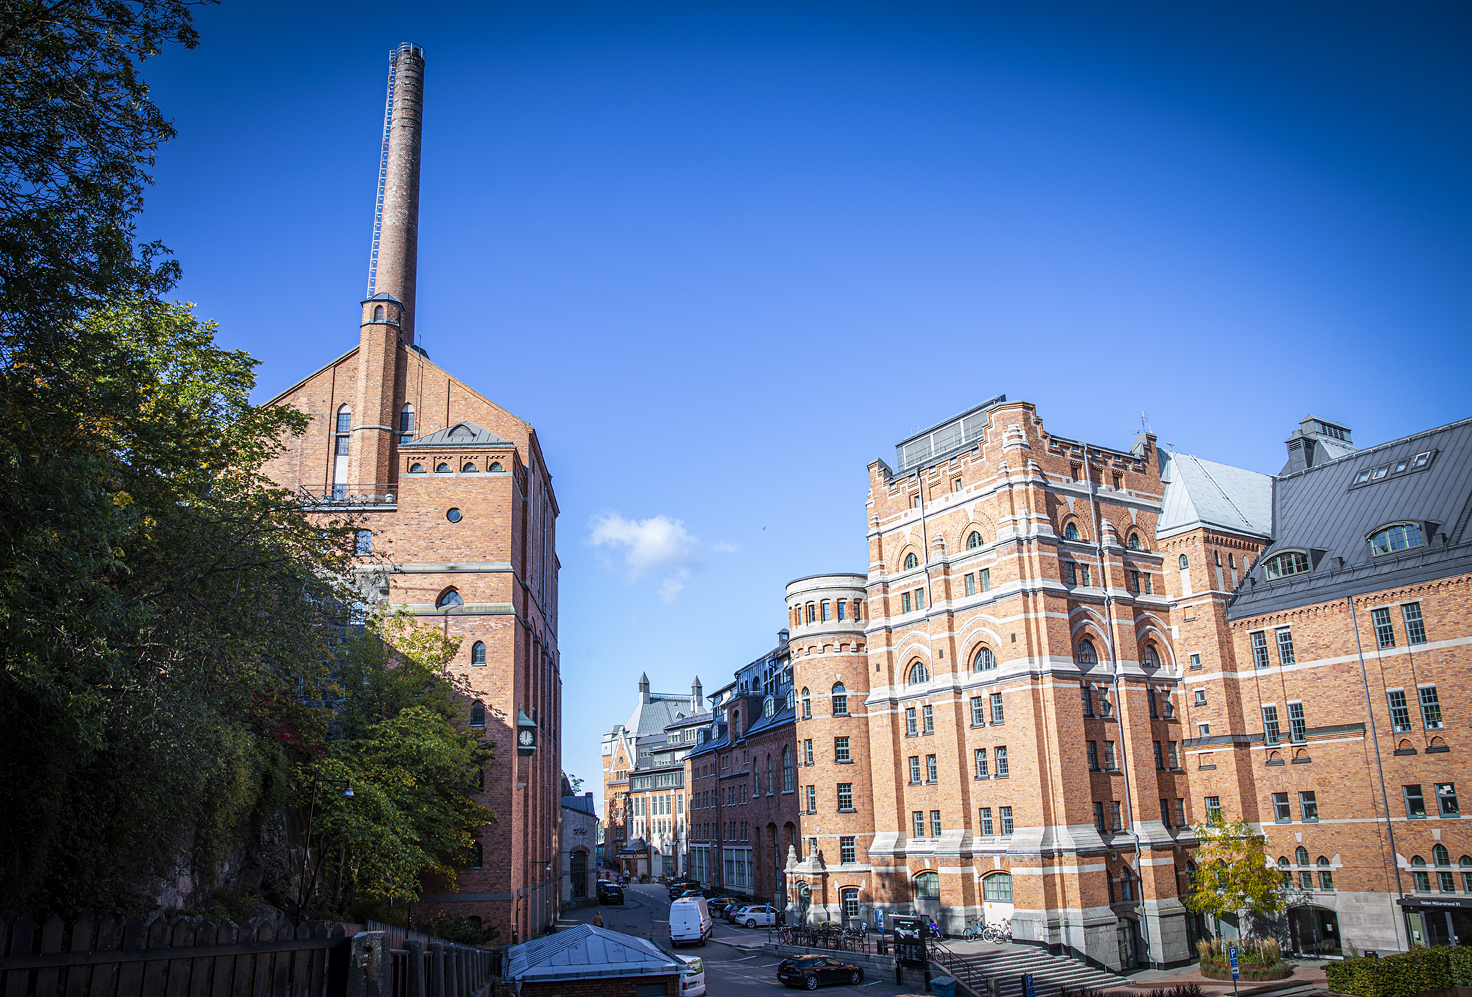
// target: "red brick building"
[[458, 522]]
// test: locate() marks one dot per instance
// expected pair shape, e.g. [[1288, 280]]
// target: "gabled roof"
[[462, 434], [586, 951], [1329, 513], [1204, 493]]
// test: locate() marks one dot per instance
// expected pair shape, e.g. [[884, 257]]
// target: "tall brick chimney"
[[393, 266]]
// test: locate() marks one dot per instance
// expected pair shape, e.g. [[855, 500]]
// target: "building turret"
[[644, 688], [697, 696]]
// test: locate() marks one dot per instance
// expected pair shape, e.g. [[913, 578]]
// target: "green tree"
[[1232, 872]]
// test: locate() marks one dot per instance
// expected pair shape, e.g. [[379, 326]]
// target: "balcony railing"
[[350, 494]]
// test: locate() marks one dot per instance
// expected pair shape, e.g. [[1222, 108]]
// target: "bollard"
[[368, 973], [414, 977], [437, 971]]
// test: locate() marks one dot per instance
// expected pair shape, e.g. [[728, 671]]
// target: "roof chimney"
[[697, 696], [1316, 441], [394, 261]]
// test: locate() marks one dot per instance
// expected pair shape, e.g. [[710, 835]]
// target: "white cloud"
[[670, 588], [648, 544], [725, 547]]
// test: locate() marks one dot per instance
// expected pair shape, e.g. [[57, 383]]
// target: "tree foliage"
[[1232, 872]]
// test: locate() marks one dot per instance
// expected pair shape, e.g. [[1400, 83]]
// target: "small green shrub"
[[1401, 975]]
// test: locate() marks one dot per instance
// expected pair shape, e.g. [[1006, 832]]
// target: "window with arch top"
[[448, 598], [1401, 536], [1149, 658], [344, 419], [1290, 562], [416, 468], [984, 661], [1301, 855], [807, 705], [998, 887], [1440, 855], [911, 560], [1070, 531], [974, 540], [1086, 653], [496, 466], [1134, 542], [927, 886], [1185, 562], [378, 313], [442, 469], [919, 674], [477, 714], [478, 653], [469, 468], [840, 700]]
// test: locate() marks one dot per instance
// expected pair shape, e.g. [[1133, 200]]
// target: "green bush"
[[1401, 975]]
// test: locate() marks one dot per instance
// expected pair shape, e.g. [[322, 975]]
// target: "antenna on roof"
[[1144, 422]]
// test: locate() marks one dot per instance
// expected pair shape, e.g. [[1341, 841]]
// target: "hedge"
[[1402, 975]]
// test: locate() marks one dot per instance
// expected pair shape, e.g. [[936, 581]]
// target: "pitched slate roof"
[[584, 952], [1204, 493], [1329, 513], [462, 434]]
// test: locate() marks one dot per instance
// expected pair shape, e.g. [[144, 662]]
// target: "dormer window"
[[1393, 539], [1290, 562]]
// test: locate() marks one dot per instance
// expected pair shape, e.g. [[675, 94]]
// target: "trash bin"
[[943, 986]]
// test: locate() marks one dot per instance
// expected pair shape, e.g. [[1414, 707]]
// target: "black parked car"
[[812, 971], [610, 893]]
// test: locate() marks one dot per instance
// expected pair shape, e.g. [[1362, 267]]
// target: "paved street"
[[735, 965]]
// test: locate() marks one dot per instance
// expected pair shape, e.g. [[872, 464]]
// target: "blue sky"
[[723, 256]]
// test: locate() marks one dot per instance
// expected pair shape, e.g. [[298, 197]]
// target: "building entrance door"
[[1128, 944], [1314, 930]]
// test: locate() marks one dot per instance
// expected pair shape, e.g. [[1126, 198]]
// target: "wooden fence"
[[190, 957]]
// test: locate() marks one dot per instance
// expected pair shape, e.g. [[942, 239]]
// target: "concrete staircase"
[[1051, 973]]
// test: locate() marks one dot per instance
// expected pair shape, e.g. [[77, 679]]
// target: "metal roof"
[[462, 434], [1330, 513], [951, 436], [587, 951], [1204, 493]]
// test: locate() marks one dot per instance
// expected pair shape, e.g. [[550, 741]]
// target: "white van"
[[692, 977], [690, 921]]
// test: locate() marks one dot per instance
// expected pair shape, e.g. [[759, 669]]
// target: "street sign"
[[1027, 985], [1232, 958]]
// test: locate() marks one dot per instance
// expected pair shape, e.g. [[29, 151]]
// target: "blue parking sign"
[[1232, 958]]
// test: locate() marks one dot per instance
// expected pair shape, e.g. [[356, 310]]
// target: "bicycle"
[[998, 932], [974, 929]]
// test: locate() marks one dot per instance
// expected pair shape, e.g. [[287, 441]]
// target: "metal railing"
[[350, 494], [964, 970], [829, 937]]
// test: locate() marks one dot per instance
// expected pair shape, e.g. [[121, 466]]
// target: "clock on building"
[[526, 734]]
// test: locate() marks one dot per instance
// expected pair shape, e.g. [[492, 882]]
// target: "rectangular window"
[[812, 799], [342, 446], [1135, 581], [1204, 729], [1093, 756], [981, 772], [825, 608], [1446, 799], [807, 751], [997, 715], [1070, 572], [1098, 816], [904, 602], [919, 598], [1006, 814], [840, 750], [1109, 756], [1149, 586], [917, 823], [1270, 724], [929, 716], [1172, 755], [1430, 707], [1195, 661], [1308, 806], [1415, 626], [1285, 646], [1180, 812], [1159, 756], [985, 577], [1150, 700], [1384, 632], [1282, 814], [846, 850], [845, 797], [935, 824], [910, 728], [930, 769], [841, 607], [1415, 801], [1446, 882], [970, 584], [1400, 712], [1213, 808], [1087, 695], [1260, 649], [1421, 880], [978, 711], [1165, 812], [1297, 726], [1001, 768], [914, 770], [986, 821], [1116, 818]]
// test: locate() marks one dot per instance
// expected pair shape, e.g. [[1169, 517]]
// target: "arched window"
[[911, 560], [1070, 531], [477, 714], [1232, 561], [984, 661], [1290, 562], [344, 419], [478, 653], [997, 887], [1134, 542], [449, 597], [1086, 653], [1150, 658], [927, 886], [378, 313], [1300, 855], [769, 775], [807, 705], [919, 674], [1401, 536], [974, 541], [477, 853], [1283, 870], [769, 706], [1326, 878], [406, 423], [850, 897], [416, 468], [495, 466], [442, 469], [786, 769], [840, 700], [1185, 562], [469, 468], [1440, 855]]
